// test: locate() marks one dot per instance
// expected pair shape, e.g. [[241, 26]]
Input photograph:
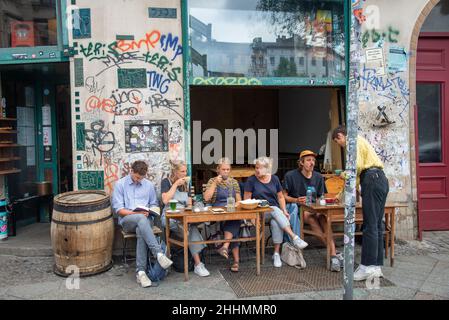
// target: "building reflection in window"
[[262, 38]]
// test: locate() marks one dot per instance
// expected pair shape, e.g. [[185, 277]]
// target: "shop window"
[[263, 28], [28, 23]]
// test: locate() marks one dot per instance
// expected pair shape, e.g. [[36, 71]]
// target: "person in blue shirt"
[[266, 186], [296, 182], [130, 192]]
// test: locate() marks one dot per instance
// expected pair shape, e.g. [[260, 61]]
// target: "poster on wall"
[[397, 59], [46, 115], [375, 60], [146, 136]]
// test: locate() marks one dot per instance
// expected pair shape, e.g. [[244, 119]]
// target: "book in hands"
[[154, 211]]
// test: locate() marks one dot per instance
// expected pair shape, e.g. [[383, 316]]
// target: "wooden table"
[[188, 217], [335, 213]]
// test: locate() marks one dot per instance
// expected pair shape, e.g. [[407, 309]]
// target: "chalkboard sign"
[[79, 72], [164, 13], [146, 136], [90, 180], [80, 136], [81, 24], [132, 78]]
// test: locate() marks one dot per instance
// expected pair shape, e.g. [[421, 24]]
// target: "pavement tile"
[[426, 296], [436, 289]]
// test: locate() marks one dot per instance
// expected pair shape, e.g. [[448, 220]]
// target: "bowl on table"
[[338, 172], [249, 204]]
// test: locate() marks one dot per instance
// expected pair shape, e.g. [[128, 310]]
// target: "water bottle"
[[313, 194], [230, 203], [309, 196]]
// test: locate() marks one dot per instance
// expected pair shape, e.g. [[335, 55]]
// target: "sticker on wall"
[[79, 72], [90, 180], [375, 60], [81, 24], [47, 138], [397, 59], [132, 78], [80, 136], [146, 136], [162, 13]]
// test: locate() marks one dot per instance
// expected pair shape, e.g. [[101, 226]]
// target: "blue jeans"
[[293, 210], [141, 225]]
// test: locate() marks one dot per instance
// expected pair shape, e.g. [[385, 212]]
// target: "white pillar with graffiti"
[[127, 89]]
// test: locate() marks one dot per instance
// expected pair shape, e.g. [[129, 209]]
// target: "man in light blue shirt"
[[130, 192]]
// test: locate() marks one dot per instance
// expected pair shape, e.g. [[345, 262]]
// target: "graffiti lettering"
[[157, 101], [229, 81], [92, 85], [150, 41], [111, 171], [100, 140], [375, 36], [157, 82], [170, 42]]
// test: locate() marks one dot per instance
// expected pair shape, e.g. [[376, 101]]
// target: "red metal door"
[[432, 134]]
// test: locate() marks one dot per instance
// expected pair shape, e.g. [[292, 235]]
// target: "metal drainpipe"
[[351, 146]]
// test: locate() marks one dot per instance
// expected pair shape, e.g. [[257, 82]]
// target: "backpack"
[[292, 256], [177, 256], [155, 272]]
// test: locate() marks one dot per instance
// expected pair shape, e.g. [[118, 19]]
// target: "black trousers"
[[374, 191]]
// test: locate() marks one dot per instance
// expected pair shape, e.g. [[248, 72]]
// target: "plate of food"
[[217, 210]]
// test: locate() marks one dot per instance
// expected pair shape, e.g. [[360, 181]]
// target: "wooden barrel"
[[82, 232]]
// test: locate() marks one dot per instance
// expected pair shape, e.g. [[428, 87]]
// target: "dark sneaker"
[[335, 264]]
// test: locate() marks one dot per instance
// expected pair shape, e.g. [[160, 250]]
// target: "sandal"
[[223, 252], [235, 267]]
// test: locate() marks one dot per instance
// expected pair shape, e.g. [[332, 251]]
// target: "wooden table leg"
[[387, 233], [262, 217], [301, 222], [393, 233], [186, 248], [328, 241], [167, 236], [258, 245]]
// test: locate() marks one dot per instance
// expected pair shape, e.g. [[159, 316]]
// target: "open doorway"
[[37, 102], [303, 116]]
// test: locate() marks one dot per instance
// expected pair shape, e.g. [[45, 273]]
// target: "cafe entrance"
[[302, 117], [36, 154]]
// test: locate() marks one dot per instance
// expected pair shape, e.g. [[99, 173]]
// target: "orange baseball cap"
[[307, 153]]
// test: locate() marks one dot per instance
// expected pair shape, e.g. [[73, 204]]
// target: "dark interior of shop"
[[303, 117], [34, 94]]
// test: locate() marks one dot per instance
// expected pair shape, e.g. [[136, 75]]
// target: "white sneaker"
[[164, 261], [299, 243], [143, 279], [277, 260], [379, 272], [201, 270], [365, 272]]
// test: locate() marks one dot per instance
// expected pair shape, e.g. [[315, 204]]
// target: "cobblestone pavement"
[[421, 271]]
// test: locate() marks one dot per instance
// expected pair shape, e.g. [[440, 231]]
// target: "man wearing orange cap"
[[296, 182]]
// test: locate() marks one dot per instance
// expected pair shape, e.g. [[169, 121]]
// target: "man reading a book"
[[132, 194]]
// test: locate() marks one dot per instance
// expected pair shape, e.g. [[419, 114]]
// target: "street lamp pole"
[[351, 146]]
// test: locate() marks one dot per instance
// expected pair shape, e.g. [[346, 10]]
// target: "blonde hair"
[[223, 161], [265, 162], [176, 165]]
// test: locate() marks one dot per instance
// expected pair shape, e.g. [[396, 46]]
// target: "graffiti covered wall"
[[127, 95], [384, 96]]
